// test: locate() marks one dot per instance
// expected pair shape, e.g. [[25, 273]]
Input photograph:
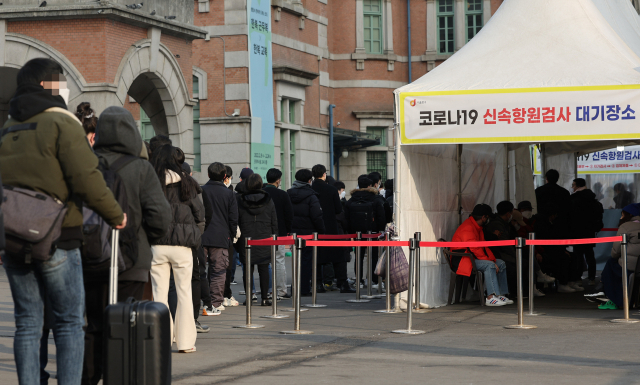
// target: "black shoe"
[[320, 289], [267, 302], [305, 294], [201, 328], [346, 288]]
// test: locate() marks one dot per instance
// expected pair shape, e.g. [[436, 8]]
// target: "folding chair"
[[461, 282]]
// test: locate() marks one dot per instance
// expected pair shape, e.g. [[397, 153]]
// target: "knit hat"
[[245, 173], [364, 181], [632, 209], [481, 209], [186, 168]]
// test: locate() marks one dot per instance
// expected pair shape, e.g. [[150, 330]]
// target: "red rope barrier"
[[357, 243], [608, 229], [270, 242], [336, 236], [468, 244], [370, 236], [563, 242]]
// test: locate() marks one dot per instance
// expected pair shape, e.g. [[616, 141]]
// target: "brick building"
[[182, 68]]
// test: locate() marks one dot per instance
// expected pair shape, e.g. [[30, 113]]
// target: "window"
[[445, 26], [292, 156], [473, 14], [373, 26], [146, 129], [292, 112], [288, 111], [377, 161], [283, 182], [379, 132], [197, 162]]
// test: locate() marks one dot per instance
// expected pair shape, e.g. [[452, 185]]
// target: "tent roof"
[[546, 43]]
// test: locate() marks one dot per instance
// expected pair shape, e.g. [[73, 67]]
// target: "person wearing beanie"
[[611, 276], [493, 269], [244, 174]]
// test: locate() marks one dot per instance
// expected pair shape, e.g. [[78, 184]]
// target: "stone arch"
[[162, 91], [18, 50]]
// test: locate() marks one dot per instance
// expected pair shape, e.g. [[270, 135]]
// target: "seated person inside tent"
[[555, 259], [494, 270], [612, 273]]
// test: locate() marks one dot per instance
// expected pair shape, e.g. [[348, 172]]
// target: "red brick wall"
[[119, 38], [181, 47]]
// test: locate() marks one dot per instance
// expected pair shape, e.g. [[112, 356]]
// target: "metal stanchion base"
[[421, 311], [293, 310], [625, 321], [312, 305], [535, 313], [252, 326], [520, 327], [392, 311], [275, 316], [370, 297], [296, 332], [406, 331], [357, 300]]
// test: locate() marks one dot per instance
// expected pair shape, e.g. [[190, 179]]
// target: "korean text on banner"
[[261, 86], [612, 161], [520, 115]]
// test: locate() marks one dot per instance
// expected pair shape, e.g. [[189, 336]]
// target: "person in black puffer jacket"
[[257, 219], [307, 219], [173, 250]]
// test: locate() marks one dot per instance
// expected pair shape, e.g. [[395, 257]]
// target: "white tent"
[[579, 57]]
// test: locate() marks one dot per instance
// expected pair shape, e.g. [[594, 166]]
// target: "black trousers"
[[558, 264], [306, 270], [263, 274], [96, 298], [582, 253], [339, 270], [204, 294]]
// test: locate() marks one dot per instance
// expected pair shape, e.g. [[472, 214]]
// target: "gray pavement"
[[574, 343]]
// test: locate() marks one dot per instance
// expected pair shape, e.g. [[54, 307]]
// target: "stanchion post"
[[300, 244], [314, 279], [416, 307], [247, 286], [369, 273], [358, 275], [532, 274], [294, 280], [520, 325], [625, 285], [387, 279], [412, 265], [274, 293]]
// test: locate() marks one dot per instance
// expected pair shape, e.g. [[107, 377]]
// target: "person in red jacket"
[[494, 270]]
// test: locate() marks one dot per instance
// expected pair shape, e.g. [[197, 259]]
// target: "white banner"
[[613, 161], [520, 115]]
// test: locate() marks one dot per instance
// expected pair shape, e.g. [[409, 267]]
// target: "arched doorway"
[[8, 87]]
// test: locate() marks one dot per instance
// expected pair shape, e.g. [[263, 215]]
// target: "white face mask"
[[227, 183], [65, 95], [517, 226], [382, 192], [527, 214], [343, 194]]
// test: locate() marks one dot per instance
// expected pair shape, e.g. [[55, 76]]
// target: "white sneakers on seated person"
[[565, 289], [577, 286], [498, 300], [504, 299], [537, 293], [543, 278]]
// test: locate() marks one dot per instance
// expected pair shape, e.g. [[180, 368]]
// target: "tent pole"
[[505, 172], [459, 161], [575, 165], [543, 161]]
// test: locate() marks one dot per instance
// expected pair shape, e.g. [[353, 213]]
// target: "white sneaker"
[[494, 301], [504, 299], [210, 311], [575, 286], [543, 278], [565, 289], [537, 293], [221, 308], [225, 302], [231, 302], [579, 283]]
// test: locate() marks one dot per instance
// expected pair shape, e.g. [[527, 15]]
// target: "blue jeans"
[[60, 279], [494, 283]]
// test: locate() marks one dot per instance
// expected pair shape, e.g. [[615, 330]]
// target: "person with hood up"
[[119, 137], [365, 212], [44, 148], [257, 219], [612, 273], [493, 269], [173, 250], [585, 218], [307, 219]]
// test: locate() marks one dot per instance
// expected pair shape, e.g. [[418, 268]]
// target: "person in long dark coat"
[[331, 206]]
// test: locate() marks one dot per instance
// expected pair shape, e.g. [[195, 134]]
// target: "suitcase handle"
[[113, 273]]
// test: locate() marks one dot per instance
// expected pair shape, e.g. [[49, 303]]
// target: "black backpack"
[[597, 212], [361, 217], [96, 249]]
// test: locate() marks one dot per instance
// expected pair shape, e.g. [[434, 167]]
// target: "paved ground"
[[573, 344]]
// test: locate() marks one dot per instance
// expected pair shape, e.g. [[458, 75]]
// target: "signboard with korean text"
[[261, 86], [520, 115], [614, 161]]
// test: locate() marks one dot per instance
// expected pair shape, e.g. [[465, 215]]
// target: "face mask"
[[527, 214], [343, 194], [487, 222], [65, 95], [517, 226], [227, 184], [510, 218], [382, 192]]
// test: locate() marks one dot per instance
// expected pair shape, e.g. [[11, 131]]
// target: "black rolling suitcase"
[[137, 338]]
